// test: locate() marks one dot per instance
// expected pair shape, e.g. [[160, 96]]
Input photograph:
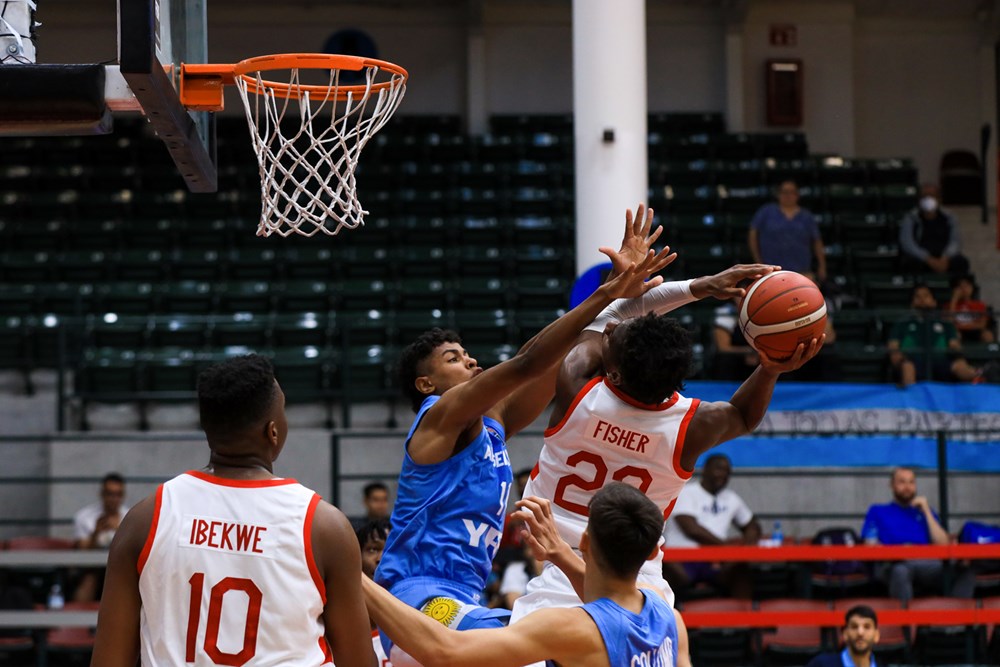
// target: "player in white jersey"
[[618, 416], [230, 565]]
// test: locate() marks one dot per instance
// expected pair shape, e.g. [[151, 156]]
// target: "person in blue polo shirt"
[[860, 635], [909, 519]]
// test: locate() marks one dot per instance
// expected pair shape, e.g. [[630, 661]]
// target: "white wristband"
[[661, 299]]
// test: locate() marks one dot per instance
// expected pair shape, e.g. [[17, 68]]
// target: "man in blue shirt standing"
[[909, 519], [787, 235]]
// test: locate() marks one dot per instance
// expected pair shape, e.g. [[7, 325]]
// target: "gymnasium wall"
[[875, 85]]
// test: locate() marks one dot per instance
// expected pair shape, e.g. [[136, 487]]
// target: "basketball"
[[781, 310]]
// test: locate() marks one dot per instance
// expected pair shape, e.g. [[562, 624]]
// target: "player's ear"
[[585, 541], [424, 385], [271, 432]]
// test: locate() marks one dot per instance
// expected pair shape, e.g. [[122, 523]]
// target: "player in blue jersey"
[[456, 478], [620, 625]]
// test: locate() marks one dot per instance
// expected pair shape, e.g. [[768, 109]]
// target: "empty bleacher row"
[[469, 231]]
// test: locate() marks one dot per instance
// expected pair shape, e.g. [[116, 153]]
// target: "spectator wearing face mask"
[[929, 238]]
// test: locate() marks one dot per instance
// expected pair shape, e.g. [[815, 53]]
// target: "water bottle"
[[56, 599], [777, 536]]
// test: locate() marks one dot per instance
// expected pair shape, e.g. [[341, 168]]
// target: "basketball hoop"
[[307, 135]]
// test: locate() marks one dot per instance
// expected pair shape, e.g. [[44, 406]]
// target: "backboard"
[[154, 38]]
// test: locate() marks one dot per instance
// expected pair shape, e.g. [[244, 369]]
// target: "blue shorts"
[[451, 604]]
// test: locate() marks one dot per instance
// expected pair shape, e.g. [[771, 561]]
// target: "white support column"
[[609, 107]]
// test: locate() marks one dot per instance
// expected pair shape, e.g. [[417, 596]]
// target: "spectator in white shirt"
[[704, 514], [94, 527]]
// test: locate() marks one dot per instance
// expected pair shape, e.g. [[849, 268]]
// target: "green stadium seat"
[[684, 173], [305, 373], [366, 328], [879, 260], [314, 296], [179, 331], [407, 325], [30, 267], [534, 292], [245, 297], [480, 202], [15, 348], [693, 228], [422, 230], [782, 145], [481, 292], [18, 299], [422, 294], [127, 298], [162, 234], [697, 200], [311, 263], [687, 147], [892, 293], [484, 230], [364, 294], [898, 199], [143, 265], [187, 296], [546, 261], [842, 197], [483, 261], [734, 146], [107, 375], [480, 328], [113, 331], [307, 329], [744, 201], [739, 174], [800, 170], [66, 298], [197, 264], [892, 170], [94, 234], [254, 264], [843, 171], [864, 228]]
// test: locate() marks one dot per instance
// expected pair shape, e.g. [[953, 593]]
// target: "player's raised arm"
[[116, 643], [461, 406], [715, 423], [563, 635]]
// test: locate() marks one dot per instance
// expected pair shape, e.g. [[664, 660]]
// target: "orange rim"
[[249, 68]]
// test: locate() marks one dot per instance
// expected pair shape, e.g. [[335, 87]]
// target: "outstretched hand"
[[725, 284], [541, 534], [798, 359], [638, 240], [636, 279]]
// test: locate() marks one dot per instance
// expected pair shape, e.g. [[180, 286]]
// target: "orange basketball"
[[781, 310]]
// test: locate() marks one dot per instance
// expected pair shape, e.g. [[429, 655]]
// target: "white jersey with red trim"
[[227, 575], [380, 656], [607, 436]]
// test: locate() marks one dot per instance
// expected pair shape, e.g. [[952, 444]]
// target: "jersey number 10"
[[218, 593]]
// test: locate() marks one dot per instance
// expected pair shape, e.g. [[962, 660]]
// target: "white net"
[[308, 139]]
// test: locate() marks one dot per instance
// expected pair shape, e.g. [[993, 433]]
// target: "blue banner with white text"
[[845, 425]]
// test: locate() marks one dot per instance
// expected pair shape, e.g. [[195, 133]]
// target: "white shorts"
[[552, 589]]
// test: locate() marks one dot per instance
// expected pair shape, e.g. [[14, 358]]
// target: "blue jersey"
[[449, 516], [648, 638]]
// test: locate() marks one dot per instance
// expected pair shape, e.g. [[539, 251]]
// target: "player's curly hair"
[[413, 355], [654, 356], [624, 528], [235, 395], [376, 529]]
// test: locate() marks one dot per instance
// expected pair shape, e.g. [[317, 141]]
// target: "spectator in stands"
[[703, 515], [371, 539], [735, 360], [94, 527], [929, 239], [787, 235], [926, 347], [970, 316], [909, 519], [376, 505], [860, 635]]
